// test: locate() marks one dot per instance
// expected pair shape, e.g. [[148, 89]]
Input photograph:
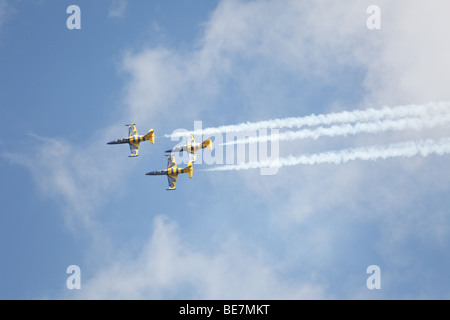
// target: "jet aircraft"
[[134, 139], [172, 171], [193, 147]]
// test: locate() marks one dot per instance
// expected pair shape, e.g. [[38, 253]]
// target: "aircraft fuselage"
[[172, 171], [157, 173], [190, 148], [134, 139]]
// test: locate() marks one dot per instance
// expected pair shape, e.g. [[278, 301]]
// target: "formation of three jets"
[[172, 170]]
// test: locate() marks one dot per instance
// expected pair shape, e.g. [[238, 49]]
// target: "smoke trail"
[[403, 149], [349, 129], [370, 114]]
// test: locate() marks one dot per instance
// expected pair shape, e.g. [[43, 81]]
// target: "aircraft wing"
[[134, 149], [176, 149], [172, 179], [132, 130], [171, 163]]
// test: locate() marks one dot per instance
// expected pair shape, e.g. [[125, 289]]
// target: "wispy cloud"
[[6, 11], [75, 176], [186, 85], [117, 9], [168, 268], [401, 72]]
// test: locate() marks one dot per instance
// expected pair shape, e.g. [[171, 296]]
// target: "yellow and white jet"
[[172, 171], [134, 139], [193, 147]]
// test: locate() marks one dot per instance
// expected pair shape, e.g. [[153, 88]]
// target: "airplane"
[[193, 147], [134, 139], [172, 171]]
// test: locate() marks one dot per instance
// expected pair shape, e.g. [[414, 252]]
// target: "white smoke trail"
[[353, 129], [403, 149], [432, 108]]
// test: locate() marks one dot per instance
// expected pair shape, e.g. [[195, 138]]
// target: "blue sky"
[[305, 232]]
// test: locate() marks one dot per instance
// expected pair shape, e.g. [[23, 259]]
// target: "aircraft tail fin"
[[207, 143], [190, 169], [150, 136]]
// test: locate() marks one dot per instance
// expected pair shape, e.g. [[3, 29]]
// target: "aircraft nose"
[[111, 142]]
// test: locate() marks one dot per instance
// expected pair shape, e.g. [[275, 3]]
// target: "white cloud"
[[411, 61], [168, 268], [292, 35], [117, 9], [260, 34], [5, 12], [158, 79]]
